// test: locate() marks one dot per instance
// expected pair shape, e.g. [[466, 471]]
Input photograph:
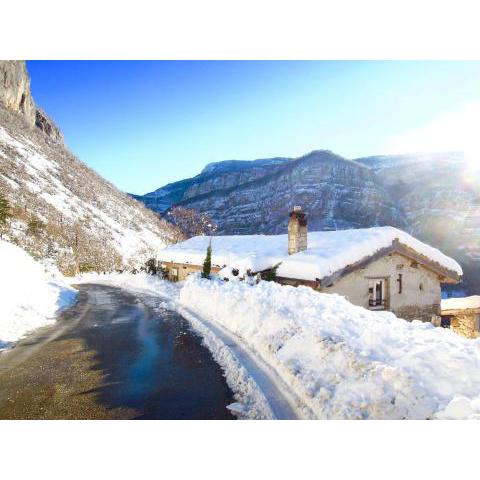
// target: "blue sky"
[[144, 124]]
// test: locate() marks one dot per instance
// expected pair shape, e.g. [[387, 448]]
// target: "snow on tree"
[[192, 222]]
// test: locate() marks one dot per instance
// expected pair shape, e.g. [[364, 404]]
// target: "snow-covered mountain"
[[255, 197], [60, 208]]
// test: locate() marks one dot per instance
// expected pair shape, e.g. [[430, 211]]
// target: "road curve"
[[134, 357], [283, 402]]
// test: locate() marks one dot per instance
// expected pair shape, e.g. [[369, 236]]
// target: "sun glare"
[[454, 131]]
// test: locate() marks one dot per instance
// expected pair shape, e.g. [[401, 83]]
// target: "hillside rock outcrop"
[[15, 89], [46, 125], [15, 95]]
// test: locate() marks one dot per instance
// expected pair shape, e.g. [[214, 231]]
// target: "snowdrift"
[[343, 361], [29, 295]]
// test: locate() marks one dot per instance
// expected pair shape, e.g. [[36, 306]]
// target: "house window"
[[376, 293], [399, 280], [174, 274]]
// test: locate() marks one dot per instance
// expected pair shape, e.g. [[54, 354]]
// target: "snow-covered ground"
[[461, 303], [345, 361], [337, 359], [30, 293]]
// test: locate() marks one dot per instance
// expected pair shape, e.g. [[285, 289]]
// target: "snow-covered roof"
[[327, 252], [461, 303]]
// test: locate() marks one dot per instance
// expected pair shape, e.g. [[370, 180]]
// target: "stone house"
[[379, 268], [462, 315], [179, 271]]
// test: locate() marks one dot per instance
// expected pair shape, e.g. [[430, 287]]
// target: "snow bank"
[[30, 295], [344, 361], [461, 303], [327, 252]]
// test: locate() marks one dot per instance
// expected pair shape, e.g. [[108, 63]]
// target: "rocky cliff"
[[62, 211], [15, 90], [15, 95]]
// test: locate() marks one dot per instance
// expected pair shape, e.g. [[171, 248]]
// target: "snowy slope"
[[30, 296], [88, 223], [61, 209], [343, 361]]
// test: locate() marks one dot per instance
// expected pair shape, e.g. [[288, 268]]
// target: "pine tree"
[[207, 263], [4, 210]]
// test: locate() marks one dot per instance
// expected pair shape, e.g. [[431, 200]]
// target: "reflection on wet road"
[[152, 359]]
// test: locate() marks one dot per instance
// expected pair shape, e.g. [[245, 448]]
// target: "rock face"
[[46, 125], [15, 89], [15, 95]]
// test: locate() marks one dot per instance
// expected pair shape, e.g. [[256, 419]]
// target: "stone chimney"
[[297, 231]]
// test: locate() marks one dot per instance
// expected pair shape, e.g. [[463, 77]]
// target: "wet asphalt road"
[[113, 356]]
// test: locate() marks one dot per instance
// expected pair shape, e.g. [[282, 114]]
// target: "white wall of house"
[[420, 296]]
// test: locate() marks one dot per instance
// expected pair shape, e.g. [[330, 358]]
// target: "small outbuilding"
[[462, 315]]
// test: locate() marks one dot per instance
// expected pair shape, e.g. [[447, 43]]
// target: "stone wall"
[[464, 325], [463, 322]]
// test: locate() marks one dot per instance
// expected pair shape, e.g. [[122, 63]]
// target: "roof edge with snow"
[[446, 275]]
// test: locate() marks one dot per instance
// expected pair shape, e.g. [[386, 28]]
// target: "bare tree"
[[192, 222]]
